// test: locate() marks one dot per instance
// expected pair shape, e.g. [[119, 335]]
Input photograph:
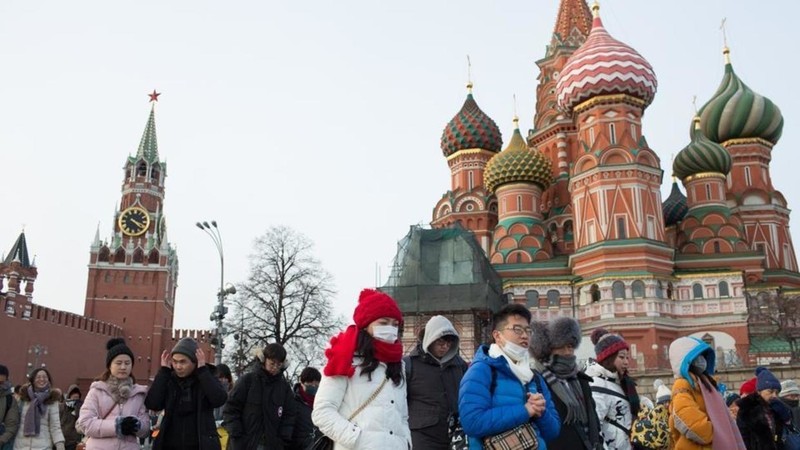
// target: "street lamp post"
[[218, 341]]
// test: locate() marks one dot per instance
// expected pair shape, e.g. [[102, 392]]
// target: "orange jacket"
[[689, 425]]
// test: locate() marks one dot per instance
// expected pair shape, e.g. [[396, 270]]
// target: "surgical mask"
[[386, 333], [516, 352], [310, 389], [699, 364]]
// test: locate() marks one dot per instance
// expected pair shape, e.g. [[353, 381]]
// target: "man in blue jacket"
[[500, 392]]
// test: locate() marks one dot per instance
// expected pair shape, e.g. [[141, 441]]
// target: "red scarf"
[[343, 347], [309, 399]]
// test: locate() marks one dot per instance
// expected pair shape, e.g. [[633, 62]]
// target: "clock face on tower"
[[134, 221]]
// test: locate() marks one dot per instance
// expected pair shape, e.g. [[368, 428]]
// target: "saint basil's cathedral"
[[571, 218]]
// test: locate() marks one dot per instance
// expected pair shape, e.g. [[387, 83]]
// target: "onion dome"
[[701, 155], [675, 206], [604, 66], [518, 163], [471, 128], [736, 112]]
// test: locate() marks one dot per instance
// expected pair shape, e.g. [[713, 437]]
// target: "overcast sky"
[[323, 116]]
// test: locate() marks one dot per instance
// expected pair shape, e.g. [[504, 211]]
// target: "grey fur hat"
[[545, 336]]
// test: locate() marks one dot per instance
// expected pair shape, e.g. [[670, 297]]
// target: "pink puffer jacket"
[[102, 432]]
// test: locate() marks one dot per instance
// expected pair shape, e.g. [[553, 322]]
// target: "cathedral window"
[[637, 288], [470, 180], [724, 290], [532, 298], [594, 292], [618, 290], [659, 289], [612, 133], [553, 298], [141, 170], [697, 291], [716, 247], [590, 232], [708, 191], [651, 227], [622, 232], [747, 180], [633, 131], [519, 203]]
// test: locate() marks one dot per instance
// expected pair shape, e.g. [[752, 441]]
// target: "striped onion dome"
[[604, 66], [736, 112], [471, 128], [518, 163], [675, 206], [701, 155]]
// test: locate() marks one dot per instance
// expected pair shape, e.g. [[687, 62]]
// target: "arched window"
[[659, 289], [470, 180], [553, 298], [141, 170], [697, 291], [618, 290], [153, 258], [747, 180], [119, 256], [638, 289], [594, 292], [138, 256], [670, 290], [532, 298], [568, 230], [519, 203], [105, 255], [716, 247], [612, 133], [724, 291]]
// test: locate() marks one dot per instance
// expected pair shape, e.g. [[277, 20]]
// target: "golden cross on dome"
[[694, 103], [469, 75], [724, 33], [516, 118]]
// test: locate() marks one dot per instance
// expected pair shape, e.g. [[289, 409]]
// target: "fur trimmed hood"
[[55, 394], [683, 351]]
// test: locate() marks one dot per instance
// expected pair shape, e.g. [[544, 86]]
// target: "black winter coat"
[[757, 424], [207, 393], [261, 409], [305, 433], [432, 397], [570, 437]]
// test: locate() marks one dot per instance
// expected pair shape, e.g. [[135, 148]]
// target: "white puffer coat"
[[381, 425], [613, 408], [50, 425]]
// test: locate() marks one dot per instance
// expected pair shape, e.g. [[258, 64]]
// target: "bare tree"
[[776, 315], [286, 299]]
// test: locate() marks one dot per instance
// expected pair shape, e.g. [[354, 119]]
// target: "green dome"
[[701, 155], [674, 207], [470, 128], [736, 112], [518, 163]]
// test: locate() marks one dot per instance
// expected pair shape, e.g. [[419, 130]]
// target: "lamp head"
[[229, 289]]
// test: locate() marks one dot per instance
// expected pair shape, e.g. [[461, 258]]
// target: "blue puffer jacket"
[[486, 414]]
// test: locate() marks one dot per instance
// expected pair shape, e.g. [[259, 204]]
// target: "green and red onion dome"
[[471, 128], [702, 155], [518, 164], [675, 206], [737, 112], [604, 66]]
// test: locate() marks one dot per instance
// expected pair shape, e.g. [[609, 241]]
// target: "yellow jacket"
[[689, 425]]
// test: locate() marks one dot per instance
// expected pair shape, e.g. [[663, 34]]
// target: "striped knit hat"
[[607, 344]]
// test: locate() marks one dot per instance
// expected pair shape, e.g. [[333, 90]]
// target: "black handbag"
[[322, 443]]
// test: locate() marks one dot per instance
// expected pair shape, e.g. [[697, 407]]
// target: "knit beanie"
[[789, 387], [607, 344], [188, 347], [748, 387], [766, 380], [116, 347], [730, 398], [372, 305], [663, 394]]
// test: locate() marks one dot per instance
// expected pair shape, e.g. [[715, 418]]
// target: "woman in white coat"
[[364, 375], [613, 391], [39, 426]]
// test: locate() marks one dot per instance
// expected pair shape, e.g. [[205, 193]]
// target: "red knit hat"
[[748, 387], [607, 344], [372, 305]]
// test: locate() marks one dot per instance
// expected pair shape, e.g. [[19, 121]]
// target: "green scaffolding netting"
[[443, 270]]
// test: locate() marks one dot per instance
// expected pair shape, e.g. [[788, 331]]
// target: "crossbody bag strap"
[[369, 400]]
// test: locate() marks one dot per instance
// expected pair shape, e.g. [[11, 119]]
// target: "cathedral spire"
[[573, 23], [148, 146]]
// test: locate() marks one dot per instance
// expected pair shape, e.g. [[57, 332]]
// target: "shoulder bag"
[[325, 443]]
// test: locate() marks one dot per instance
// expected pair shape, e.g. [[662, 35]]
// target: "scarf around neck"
[[120, 389], [343, 348], [562, 378], [521, 369], [725, 432], [33, 418]]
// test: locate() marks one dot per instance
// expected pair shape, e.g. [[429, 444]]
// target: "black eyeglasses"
[[519, 330]]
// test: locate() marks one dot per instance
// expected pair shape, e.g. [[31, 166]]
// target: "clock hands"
[[137, 223]]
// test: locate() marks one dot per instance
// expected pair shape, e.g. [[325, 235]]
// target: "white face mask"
[[516, 352], [386, 333]]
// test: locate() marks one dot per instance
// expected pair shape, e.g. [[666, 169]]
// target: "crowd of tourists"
[[525, 389]]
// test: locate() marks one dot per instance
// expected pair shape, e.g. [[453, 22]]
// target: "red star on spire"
[[154, 96]]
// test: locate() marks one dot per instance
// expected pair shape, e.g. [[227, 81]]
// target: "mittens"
[[781, 410], [127, 426]]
